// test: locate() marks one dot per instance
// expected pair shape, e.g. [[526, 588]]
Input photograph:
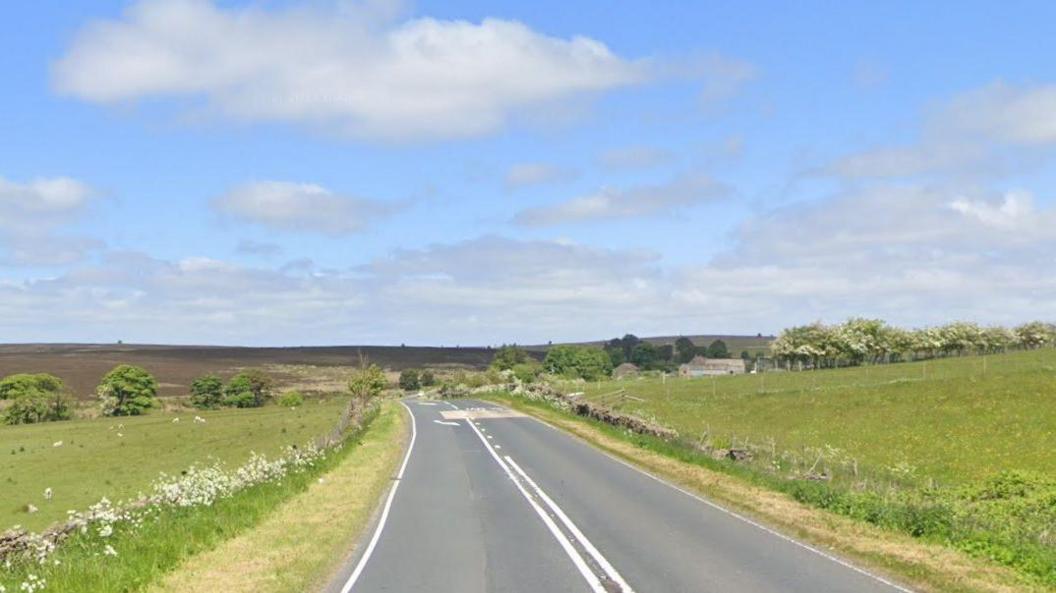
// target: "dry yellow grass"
[[926, 568], [298, 547]]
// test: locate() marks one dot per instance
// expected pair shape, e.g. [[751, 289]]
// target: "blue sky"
[[477, 172]]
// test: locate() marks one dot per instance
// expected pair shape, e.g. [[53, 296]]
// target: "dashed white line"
[[577, 559]]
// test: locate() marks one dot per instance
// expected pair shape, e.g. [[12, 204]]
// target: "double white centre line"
[[614, 583]]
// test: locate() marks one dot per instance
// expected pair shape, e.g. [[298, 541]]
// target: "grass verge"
[[298, 545], [926, 566], [142, 554]]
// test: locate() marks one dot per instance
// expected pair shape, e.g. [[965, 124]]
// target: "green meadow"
[[951, 421], [120, 457]]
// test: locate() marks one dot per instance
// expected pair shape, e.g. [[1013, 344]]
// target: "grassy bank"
[[143, 552], [925, 564], [300, 544], [119, 457], [948, 421]]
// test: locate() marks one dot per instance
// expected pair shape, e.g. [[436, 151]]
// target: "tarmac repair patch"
[[479, 414]]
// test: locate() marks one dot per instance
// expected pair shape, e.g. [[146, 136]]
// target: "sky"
[[462, 172]]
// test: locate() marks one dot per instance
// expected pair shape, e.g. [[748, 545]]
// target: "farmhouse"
[[625, 370], [703, 367]]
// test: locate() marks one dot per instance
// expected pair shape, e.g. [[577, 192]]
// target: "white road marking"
[[427, 403], [739, 516], [447, 423], [577, 559], [385, 512], [576, 533]]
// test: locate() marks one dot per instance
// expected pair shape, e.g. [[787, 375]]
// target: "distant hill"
[[81, 366]]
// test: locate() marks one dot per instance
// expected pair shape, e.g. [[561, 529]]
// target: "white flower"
[[175, 420], [31, 509], [109, 551], [55, 444], [48, 494]]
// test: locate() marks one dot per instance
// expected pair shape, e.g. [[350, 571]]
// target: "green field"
[[952, 420], [120, 457]]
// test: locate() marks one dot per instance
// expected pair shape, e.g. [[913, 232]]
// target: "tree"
[[1034, 335], [508, 356], [615, 355], [628, 342], [367, 382], [717, 349], [207, 392], [248, 389], [35, 398], [410, 380], [427, 378], [685, 350], [644, 355], [665, 353], [127, 390], [578, 361]]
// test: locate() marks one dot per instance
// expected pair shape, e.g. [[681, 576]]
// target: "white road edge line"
[[445, 423], [739, 516], [385, 512], [586, 543], [581, 564]]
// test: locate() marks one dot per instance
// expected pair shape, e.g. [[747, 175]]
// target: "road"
[[492, 501]]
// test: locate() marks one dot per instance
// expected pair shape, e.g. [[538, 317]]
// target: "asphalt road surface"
[[490, 501]]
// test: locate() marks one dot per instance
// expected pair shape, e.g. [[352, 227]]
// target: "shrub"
[[20, 384], [207, 392], [527, 372], [578, 361], [291, 399], [36, 398], [127, 391], [248, 389], [409, 380], [507, 357], [427, 379], [367, 382]]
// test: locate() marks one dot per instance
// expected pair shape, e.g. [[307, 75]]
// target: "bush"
[[207, 392], [409, 380], [21, 384], [578, 362], [127, 391], [427, 379], [291, 399], [527, 372], [367, 382], [507, 357], [248, 389], [36, 398]]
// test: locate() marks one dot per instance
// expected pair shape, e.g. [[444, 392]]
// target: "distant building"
[[704, 367], [625, 370]]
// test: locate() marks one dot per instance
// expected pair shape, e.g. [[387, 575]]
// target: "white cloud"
[[990, 130], [524, 175], [1015, 212], [45, 200], [301, 207], [646, 200], [635, 157], [1005, 113], [31, 213], [257, 248], [349, 70]]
